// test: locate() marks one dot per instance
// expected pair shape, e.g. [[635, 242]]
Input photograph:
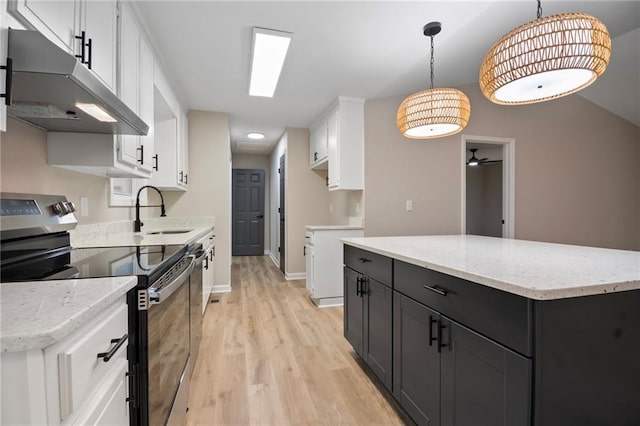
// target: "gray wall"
[[576, 172]]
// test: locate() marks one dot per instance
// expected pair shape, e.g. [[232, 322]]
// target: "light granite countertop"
[[536, 270], [117, 234], [331, 227], [38, 314]]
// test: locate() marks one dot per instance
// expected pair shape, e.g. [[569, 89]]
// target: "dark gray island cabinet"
[[456, 352]]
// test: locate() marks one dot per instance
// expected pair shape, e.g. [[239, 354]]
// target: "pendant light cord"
[[539, 9], [432, 62]]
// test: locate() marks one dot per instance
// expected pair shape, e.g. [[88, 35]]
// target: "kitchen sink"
[[177, 231]]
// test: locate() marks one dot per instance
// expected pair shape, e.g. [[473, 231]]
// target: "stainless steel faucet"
[[137, 224]]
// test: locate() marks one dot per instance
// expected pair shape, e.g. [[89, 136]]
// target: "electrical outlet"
[[409, 205]]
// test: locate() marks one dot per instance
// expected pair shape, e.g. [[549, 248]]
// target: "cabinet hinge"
[[143, 300]]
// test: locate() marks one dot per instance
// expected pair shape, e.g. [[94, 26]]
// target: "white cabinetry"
[[4, 36], [85, 28], [324, 260], [69, 382], [171, 137], [208, 244], [136, 89], [318, 144], [340, 131]]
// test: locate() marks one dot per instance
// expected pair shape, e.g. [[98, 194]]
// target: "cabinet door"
[[377, 329], [57, 20], [146, 104], [483, 383], [4, 36], [100, 25], [183, 146], [333, 154], [129, 75], [318, 143], [353, 311], [308, 253], [416, 361]]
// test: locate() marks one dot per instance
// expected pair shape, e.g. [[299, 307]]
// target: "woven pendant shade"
[[433, 113], [545, 59]]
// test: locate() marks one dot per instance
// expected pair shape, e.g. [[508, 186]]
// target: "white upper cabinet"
[[4, 35], [318, 144], [136, 65], [85, 28], [171, 137], [344, 144]]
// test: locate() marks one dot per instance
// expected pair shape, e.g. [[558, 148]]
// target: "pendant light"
[[545, 59], [433, 113]]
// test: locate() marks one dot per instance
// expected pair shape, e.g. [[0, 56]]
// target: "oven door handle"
[[157, 296]]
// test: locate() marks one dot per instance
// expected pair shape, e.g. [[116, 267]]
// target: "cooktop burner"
[[99, 262]]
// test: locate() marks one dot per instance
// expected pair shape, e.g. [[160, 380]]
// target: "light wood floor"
[[269, 356]]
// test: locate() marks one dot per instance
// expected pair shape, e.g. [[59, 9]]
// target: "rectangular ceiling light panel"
[[268, 54]]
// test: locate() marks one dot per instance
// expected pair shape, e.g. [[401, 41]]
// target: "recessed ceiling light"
[[255, 135], [267, 58]]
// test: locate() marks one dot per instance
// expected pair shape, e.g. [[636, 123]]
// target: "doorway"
[[247, 212], [281, 210], [488, 186]]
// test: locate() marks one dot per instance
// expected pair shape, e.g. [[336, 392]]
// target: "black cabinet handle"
[[155, 166], [358, 284], [440, 327], [83, 42], [211, 255], [315, 156], [141, 149], [186, 179], [304, 250], [260, 216], [90, 54], [431, 338], [181, 177], [8, 81], [440, 291], [106, 356], [363, 259], [206, 262], [364, 287]]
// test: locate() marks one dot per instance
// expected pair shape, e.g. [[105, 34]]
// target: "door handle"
[[83, 43], [106, 356], [260, 216], [437, 290], [8, 80], [431, 322]]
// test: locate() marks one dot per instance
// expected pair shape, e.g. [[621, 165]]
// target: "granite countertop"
[[117, 234], [536, 270], [331, 227], [38, 314]]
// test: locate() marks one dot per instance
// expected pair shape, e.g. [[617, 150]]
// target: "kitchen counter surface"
[[116, 234], [38, 314], [331, 227], [531, 269]]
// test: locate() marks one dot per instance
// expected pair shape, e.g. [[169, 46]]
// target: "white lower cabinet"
[[208, 244], [324, 261], [78, 381]]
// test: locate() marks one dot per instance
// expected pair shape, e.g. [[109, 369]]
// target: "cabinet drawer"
[[501, 316], [79, 368], [373, 265]]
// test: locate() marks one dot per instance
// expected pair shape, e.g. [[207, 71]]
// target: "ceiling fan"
[[474, 161]]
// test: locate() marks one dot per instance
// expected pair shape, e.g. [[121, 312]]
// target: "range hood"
[[49, 83]]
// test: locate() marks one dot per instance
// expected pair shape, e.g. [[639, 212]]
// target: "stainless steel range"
[[35, 246]]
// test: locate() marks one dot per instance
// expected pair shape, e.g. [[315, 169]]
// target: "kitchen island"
[[478, 330]]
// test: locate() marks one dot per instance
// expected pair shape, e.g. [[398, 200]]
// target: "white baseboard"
[[327, 302], [267, 252], [225, 288], [274, 260], [295, 276]]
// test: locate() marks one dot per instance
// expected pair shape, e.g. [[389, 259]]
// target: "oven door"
[[168, 347]]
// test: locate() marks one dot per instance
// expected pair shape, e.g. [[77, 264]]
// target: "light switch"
[[84, 206], [409, 205]]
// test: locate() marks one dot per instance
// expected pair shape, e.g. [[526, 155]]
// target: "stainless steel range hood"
[[48, 84]]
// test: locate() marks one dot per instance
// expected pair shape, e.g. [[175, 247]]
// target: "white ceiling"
[[361, 49]]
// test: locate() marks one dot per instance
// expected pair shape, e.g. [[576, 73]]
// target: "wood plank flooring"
[[269, 356]]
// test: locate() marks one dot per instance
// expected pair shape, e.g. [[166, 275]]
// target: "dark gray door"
[[282, 213], [377, 328], [416, 361], [482, 382], [353, 310], [247, 212]]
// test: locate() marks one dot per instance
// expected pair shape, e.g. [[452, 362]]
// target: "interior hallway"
[[269, 356]]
